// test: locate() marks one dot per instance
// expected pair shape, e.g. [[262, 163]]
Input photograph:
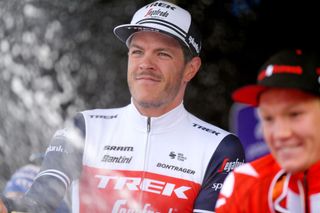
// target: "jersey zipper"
[[146, 159], [148, 125]]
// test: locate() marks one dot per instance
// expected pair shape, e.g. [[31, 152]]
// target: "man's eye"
[[164, 54], [266, 119], [135, 52], [295, 114]]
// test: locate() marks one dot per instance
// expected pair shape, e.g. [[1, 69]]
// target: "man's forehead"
[[144, 36], [289, 95]]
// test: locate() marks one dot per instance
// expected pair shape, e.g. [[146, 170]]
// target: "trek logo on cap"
[[161, 4]]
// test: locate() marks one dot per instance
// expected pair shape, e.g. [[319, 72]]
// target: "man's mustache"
[[148, 74]]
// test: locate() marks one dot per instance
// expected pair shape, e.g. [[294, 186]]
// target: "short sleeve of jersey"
[[228, 155]]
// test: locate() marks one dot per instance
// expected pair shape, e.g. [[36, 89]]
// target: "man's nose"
[[147, 62], [282, 129]]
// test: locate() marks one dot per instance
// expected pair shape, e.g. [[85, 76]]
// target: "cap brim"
[[248, 94], [125, 31]]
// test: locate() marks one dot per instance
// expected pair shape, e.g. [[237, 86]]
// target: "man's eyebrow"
[[135, 46], [156, 50]]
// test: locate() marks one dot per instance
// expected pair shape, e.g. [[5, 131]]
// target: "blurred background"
[[60, 57]]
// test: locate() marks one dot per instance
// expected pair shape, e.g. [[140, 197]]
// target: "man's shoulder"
[[108, 113], [205, 126]]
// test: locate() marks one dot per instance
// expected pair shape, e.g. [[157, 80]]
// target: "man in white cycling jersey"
[[151, 155]]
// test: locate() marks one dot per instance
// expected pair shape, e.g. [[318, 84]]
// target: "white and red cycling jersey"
[[262, 186], [131, 163]]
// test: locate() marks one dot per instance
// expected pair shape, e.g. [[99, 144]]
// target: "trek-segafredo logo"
[[158, 12], [121, 206], [228, 165], [153, 13]]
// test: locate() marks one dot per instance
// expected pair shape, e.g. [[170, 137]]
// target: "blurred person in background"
[[151, 155], [287, 95], [22, 179]]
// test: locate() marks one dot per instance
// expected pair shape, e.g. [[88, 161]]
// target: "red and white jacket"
[[262, 186]]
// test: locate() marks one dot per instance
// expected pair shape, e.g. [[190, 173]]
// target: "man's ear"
[[192, 67]]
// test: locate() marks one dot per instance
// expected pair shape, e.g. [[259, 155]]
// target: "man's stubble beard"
[[170, 94]]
